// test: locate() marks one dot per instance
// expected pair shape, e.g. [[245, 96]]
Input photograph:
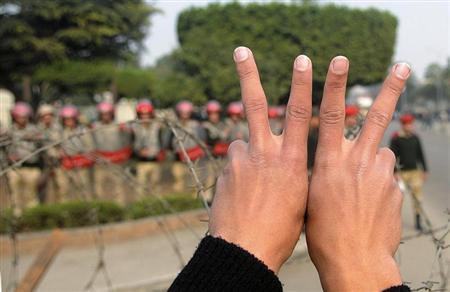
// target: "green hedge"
[[84, 213]]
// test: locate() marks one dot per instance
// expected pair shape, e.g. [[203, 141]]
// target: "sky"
[[423, 34]]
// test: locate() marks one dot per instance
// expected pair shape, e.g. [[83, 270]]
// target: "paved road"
[[149, 264]]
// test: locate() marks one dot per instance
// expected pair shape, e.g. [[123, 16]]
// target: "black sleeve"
[[221, 266], [401, 288], [421, 156]]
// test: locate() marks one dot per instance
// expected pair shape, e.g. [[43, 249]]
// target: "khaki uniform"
[[216, 137], [238, 130], [75, 175], [147, 137], [179, 170], [48, 186], [23, 181], [414, 180], [5, 188], [113, 147]]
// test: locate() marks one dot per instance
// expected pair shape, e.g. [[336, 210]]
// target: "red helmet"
[[184, 106], [69, 112], [144, 107], [351, 110], [213, 106], [235, 108], [273, 112], [407, 119], [105, 107], [21, 109]]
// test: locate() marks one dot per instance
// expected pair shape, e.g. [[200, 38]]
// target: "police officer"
[[184, 110], [216, 130], [75, 175], [216, 138], [407, 148], [238, 127], [113, 145], [147, 146], [24, 141], [351, 121], [49, 128]]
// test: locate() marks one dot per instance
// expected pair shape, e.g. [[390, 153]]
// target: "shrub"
[[153, 207], [82, 213]]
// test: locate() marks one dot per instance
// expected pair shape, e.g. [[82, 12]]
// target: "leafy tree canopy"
[[35, 33], [277, 33]]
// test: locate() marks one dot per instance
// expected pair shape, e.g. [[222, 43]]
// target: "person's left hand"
[[261, 195]]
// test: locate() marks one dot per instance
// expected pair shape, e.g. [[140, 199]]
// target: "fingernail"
[[340, 65], [402, 70], [240, 54], [301, 63]]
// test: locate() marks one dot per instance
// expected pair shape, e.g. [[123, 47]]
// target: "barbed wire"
[[180, 135], [101, 266]]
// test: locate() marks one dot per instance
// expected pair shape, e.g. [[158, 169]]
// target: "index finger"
[[380, 114], [253, 96]]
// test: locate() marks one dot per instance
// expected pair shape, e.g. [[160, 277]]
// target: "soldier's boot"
[[418, 224]]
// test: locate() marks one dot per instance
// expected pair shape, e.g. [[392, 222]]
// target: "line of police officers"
[[94, 161]]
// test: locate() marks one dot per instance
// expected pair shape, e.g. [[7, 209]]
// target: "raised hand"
[[353, 223], [261, 195]]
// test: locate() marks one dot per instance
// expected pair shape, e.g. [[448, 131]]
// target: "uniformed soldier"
[[193, 150], [113, 145], [216, 139], [411, 160], [24, 141], [5, 187], [238, 127], [351, 121], [147, 147], [275, 121], [48, 189], [216, 130], [76, 172]]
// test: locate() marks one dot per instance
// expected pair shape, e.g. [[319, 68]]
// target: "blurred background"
[[115, 118]]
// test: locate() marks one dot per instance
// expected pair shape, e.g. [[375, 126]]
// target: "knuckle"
[[254, 106], [299, 113], [332, 116], [394, 88], [257, 158], [301, 82], [388, 155], [379, 118], [336, 85], [246, 73], [234, 146]]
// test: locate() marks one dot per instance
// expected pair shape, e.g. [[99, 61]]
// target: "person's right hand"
[[353, 224]]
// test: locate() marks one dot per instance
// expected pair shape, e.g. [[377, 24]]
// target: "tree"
[[277, 33], [172, 84], [437, 84], [37, 33]]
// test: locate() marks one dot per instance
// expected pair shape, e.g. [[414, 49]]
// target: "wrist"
[[273, 260], [360, 274]]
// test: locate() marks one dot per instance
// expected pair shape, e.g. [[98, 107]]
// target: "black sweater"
[[408, 150], [221, 266]]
